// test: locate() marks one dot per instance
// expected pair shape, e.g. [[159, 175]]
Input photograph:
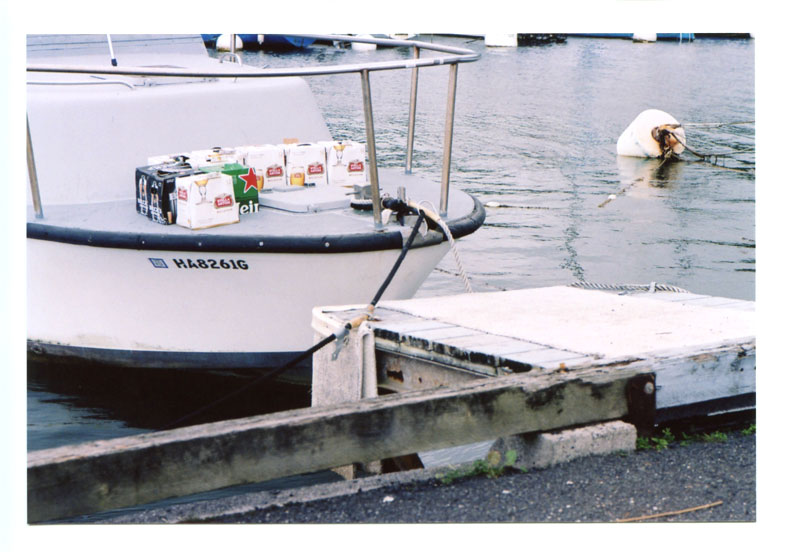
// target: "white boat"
[[501, 40], [107, 284]]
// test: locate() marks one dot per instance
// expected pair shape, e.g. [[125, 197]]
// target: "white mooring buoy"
[[653, 133], [363, 46], [645, 37], [224, 42]]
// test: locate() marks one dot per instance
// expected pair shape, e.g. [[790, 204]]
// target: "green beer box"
[[155, 190], [245, 187]]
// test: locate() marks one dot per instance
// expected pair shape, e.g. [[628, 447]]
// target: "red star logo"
[[249, 180]]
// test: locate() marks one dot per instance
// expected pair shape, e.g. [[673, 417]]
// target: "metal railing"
[[451, 56]]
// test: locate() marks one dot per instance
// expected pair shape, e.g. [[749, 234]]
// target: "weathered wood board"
[[102, 475]]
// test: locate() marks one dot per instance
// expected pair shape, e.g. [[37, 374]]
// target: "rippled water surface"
[[535, 135]]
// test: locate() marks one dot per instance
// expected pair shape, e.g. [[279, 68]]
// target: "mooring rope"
[[733, 123], [652, 287], [711, 158], [434, 214], [706, 155], [339, 334]]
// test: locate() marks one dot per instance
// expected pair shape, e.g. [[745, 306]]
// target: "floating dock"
[[700, 348]]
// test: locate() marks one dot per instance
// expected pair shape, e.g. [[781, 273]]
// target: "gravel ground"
[[592, 489]]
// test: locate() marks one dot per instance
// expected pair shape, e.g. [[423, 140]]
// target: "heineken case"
[[205, 199], [155, 190], [244, 182]]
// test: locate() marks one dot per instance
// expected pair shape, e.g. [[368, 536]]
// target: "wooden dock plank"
[[549, 358], [438, 334], [79, 479], [704, 300], [716, 373], [587, 321]]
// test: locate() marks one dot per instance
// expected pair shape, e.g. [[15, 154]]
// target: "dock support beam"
[[79, 479]]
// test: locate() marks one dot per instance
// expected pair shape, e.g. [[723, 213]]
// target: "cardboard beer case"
[[205, 199], [269, 163], [306, 164], [244, 182], [214, 156], [168, 159], [155, 190], [347, 163]]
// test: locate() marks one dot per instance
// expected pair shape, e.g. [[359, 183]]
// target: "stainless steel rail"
[[82, 83], [37, 201], [412, 112], [456, 56]]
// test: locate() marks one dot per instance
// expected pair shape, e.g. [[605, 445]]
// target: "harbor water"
[[534, 140]]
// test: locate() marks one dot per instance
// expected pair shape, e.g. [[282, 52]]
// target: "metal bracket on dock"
[[641, 396], [341, 339]]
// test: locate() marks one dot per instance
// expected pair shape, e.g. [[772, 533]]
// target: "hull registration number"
[[202, 264]]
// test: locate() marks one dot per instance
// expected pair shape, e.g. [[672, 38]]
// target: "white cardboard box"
[[268, 162], [214, 156], [206, 200], [347, 163], [306, 162], [171, 158]]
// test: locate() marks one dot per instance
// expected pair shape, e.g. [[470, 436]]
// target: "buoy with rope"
[[653, 133]]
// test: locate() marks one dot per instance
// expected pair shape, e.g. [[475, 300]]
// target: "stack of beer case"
[[212, 187]]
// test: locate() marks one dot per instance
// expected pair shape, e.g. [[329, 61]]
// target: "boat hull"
[[201, 310]]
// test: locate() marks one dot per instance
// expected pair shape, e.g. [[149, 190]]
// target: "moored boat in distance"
[[263, 41], [635, 36], [107, 284], [505, 40]]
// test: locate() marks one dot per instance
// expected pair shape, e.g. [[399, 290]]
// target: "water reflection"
[[637, 176], [79, 403]]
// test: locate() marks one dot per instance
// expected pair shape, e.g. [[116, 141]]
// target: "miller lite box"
[[347, 163], [269, 164], [306, 164], [205, 199], [155, 190], [244, 182], [214, 156]]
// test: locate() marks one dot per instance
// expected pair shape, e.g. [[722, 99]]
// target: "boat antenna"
[[111, 49]]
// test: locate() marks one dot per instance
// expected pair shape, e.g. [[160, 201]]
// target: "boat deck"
[[117, 224]]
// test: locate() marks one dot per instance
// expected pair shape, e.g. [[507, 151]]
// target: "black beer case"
[[155, 190]]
